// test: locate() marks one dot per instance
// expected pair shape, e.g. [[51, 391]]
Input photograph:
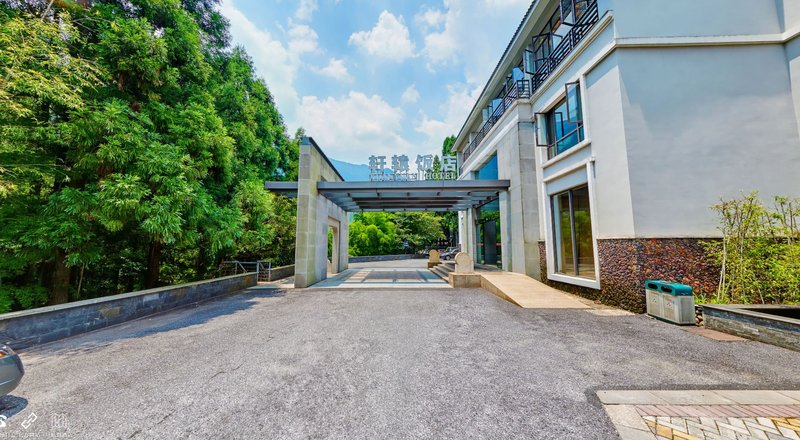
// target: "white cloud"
[[460, 42], [353, 127], [460, 101], [273, 61], [388, 39], [336, 70], [431, 18], [306, 9], [302, 39], [410, 95]]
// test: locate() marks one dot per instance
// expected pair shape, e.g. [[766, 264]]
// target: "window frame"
[[572, 12], [548, 119], [576, 254], [565, 178]]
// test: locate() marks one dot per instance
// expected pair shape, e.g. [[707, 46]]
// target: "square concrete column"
[[315, 214]]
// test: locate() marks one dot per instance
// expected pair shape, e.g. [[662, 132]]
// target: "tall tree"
[[447, 146], [43, 217], [132, 139]]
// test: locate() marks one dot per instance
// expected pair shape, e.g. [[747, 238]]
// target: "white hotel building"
[[619, 123]]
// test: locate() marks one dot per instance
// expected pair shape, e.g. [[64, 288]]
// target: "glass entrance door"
[[488, 234]]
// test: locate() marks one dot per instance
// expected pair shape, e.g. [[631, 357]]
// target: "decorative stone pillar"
[[464, 263], [433, 258]]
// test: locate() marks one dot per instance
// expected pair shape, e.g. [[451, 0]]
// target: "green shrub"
[[759, 253], [21, 298]]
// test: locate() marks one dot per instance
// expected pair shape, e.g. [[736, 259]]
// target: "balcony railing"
[[525, 88], [566, 46], [519, 90]]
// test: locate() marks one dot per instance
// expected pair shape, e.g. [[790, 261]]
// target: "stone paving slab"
[[704, 414], [713, 334], [383, 277]]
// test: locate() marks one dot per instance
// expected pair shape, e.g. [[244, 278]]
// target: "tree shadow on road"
[[174, 319]]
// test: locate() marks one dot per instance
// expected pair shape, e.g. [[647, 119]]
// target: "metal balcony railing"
[[519, 90], [526, 88], [566, 46]]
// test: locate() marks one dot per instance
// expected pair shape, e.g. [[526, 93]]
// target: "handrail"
[[526, 89], [519, 90], [262, 267]]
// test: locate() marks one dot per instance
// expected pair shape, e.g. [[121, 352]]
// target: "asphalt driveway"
[[438, 363]]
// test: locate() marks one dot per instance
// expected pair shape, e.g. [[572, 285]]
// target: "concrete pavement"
[[356, 363]]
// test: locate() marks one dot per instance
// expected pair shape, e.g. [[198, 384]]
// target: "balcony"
[[519, 90], [526, 88]]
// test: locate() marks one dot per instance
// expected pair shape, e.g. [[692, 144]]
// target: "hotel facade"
[[619, 123]]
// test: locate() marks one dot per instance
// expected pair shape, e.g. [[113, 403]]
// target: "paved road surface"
[[444, 363]]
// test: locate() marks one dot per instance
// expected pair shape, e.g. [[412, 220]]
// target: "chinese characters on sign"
[[400, 170]]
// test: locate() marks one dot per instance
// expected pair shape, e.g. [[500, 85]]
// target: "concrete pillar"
[[505, 233], [315, 214]]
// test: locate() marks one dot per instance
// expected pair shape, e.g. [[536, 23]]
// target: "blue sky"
[[370, 77]]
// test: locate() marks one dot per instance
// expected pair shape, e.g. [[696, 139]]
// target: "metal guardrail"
[[526, 89], [262, 267], [567, 45], [520, 89]]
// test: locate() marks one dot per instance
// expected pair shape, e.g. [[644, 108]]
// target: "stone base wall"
[[27, 328], [279, 273], [625, 264], [736, 320]]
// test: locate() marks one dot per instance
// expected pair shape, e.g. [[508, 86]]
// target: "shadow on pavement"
[[169, 320], [12, 405]]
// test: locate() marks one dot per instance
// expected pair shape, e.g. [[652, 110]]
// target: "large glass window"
[[573, 10], [562, 127], [489, 171], [545, 42], [572, 233]]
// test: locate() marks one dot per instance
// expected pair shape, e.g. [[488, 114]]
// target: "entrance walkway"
[[527, 292], [385, 274]]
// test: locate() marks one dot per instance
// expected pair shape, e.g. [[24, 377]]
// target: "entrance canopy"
[[383, 196]]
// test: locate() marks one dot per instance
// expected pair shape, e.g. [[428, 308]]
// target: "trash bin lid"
[[653, 284], [669, 288]]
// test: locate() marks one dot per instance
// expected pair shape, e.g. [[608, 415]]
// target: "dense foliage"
[[382, 233], [760, 251], [134, 143]]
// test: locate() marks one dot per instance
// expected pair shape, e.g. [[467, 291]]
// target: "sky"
[[375, 77]]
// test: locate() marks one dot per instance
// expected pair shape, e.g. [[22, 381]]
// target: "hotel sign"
[[401, 171]]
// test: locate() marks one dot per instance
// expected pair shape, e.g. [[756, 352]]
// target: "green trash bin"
[[670, 302]]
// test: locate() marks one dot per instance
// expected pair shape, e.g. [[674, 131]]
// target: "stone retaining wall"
[[625, 264], [279, 273], [388, 258], [27, 328], [747, 322]]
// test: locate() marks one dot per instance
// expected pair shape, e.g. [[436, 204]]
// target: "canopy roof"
[[426, 195]]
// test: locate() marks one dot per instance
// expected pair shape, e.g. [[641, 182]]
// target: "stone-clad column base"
[[625, 264]]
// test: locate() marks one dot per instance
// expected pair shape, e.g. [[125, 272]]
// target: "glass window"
[[565, 123], [566, 10], [488, 171], [544, 43], [573, 10], [581, 6], [572, 233]]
